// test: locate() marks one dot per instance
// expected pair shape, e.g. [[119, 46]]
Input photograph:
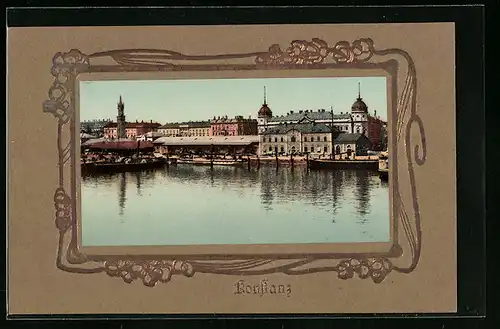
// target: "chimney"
[[300, 111], [291, 112]]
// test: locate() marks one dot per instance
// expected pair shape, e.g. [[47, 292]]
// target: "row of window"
[[294, 139], [306, 149]]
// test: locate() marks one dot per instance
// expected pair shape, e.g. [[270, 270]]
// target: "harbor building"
[[237, 126], [122, 129], [186, 129], [356, 143], [356, 121], [218, 126], [294, 138], [313, 138], [207, 144]]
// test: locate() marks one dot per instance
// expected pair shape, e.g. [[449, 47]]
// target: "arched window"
[[292, 139], [305, 140], [282, 149], [275, 139], [305, 149], [318, 139], [325, 149], [270, 148], [282, 141], [324, 139]]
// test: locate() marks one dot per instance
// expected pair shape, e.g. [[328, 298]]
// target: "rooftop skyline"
[[166, 101]]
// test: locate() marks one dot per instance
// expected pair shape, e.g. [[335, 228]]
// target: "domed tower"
[[359, 114], [263, 115]]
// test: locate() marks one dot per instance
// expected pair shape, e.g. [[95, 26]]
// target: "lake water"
[[185, 205]]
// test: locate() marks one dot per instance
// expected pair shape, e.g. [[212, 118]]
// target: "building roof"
[[236, 119], [153, 134], [265, 111], [93, 141], [141, 124], [208, 140], [123, 144], [359, 105], [172, 125], [349, 138], [320, 114], [190, 124], [304, 128], [85, 135]]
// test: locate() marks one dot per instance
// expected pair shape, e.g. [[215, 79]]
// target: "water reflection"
[[323, 189]]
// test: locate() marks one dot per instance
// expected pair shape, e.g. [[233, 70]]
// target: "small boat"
[[208, 162], [316, 164], [121, 166], [383, 166]]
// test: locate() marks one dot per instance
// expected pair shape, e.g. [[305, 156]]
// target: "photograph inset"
[[234, 161]]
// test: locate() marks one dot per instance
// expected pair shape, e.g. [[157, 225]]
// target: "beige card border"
[[300, 55]]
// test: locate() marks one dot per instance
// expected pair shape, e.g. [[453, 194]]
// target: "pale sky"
[[184, 100]]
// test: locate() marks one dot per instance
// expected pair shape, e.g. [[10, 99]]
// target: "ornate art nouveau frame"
[[316, 54]]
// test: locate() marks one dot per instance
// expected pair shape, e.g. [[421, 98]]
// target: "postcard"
[[238, 169]]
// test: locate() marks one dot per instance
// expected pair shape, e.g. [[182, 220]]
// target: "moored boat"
[[208, 162], [343, 164], [122, 166], [383, 165]]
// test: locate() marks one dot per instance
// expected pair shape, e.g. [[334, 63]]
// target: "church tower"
[[359, 114], [120, 120], [263, 115]]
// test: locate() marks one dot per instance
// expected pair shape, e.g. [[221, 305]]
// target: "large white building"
[[357, 120]]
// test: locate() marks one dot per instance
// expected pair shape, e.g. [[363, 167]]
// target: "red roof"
[[121, 145], [135, 125]]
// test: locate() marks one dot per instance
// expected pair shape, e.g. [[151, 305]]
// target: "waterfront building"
[[170, 129], [294, 138], [313, 138], [186, 129], [229, 144], [358, 120], [122, 129], [237, 126], [132, 129], [356, 143]]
